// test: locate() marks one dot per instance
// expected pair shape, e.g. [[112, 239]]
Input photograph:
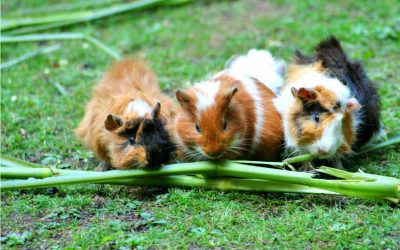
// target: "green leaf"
[[198, 231]]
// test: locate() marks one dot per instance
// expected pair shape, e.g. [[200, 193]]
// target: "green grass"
[[184, 44]]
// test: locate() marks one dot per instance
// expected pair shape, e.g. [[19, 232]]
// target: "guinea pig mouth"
[[322, 154], [213, 157]]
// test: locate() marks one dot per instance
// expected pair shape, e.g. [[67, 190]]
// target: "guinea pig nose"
[[322, 151], [213, 154]]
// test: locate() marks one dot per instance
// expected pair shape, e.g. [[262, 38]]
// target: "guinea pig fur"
[[231, 115], [125, 121], [328, 105]]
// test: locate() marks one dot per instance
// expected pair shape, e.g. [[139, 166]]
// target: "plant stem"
[[64, 19], [300, 158], [9, 161], [79, 16], [29, 55], [94, 177], [357, 188], [61, 7], [369, 189], [392, 141], [221, 184], [61, 36], [18, 169]]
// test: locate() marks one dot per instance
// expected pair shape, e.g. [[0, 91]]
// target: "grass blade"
[[61, 36], [29, 55], [41, 37], [392, 141], [9, 161], [62, 7], [83, 16]]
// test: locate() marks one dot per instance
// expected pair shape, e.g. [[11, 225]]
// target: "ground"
[[183, 44]]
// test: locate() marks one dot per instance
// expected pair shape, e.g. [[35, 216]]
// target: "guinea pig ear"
[[183, 99], [231, 93], [155, 113], [227, 97], [113, 122], [352, 104], [304, 94]]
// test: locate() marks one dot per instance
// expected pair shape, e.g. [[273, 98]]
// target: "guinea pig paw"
[[103, 166]]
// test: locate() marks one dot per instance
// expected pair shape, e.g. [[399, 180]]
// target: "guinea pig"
[[231, 114], [328, 105], [125, 123]]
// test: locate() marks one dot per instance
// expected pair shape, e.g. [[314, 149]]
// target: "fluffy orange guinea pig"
[[125, 121], [231, 115]]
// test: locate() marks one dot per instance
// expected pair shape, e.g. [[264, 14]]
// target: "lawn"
[[183, 44]]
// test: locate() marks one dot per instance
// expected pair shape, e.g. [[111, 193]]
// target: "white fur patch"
[[260, 64], [331, 140], [139, 106], [205, 93], [251, 88]]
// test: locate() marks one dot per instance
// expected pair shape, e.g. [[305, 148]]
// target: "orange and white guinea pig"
[[125, 123], [231, 115], [328, 105]]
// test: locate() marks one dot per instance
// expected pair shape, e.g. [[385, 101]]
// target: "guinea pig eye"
[[316, 117], [337, 106], [225, 124], [131, 140], [198, 128]]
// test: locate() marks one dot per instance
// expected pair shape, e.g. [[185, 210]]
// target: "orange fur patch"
[[272, 132], [296, 71], [349, 135]]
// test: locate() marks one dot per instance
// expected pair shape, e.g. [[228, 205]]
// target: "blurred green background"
[[43, 98]]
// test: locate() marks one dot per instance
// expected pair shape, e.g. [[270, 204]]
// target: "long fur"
[[329, 106], [118, 125], [352, 75], [231, 115]]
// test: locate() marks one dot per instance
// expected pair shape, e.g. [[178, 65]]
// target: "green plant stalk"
[[171, 181], [29, 55], [61, 7], [95, 177], [357, 188], [392, 141], [376, 190], [19, 169], [9, 161], [60, 20], [291, 160], [40, 173], [79, 16], [61, 36], [356, 176], [32, 29], [226, 184]]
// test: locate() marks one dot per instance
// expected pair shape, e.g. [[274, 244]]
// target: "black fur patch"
[[351, 74], [313, 107], [156, 140]]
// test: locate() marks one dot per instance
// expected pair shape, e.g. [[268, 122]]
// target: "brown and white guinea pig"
[[125, 121], [328, 105], [231, 115]]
